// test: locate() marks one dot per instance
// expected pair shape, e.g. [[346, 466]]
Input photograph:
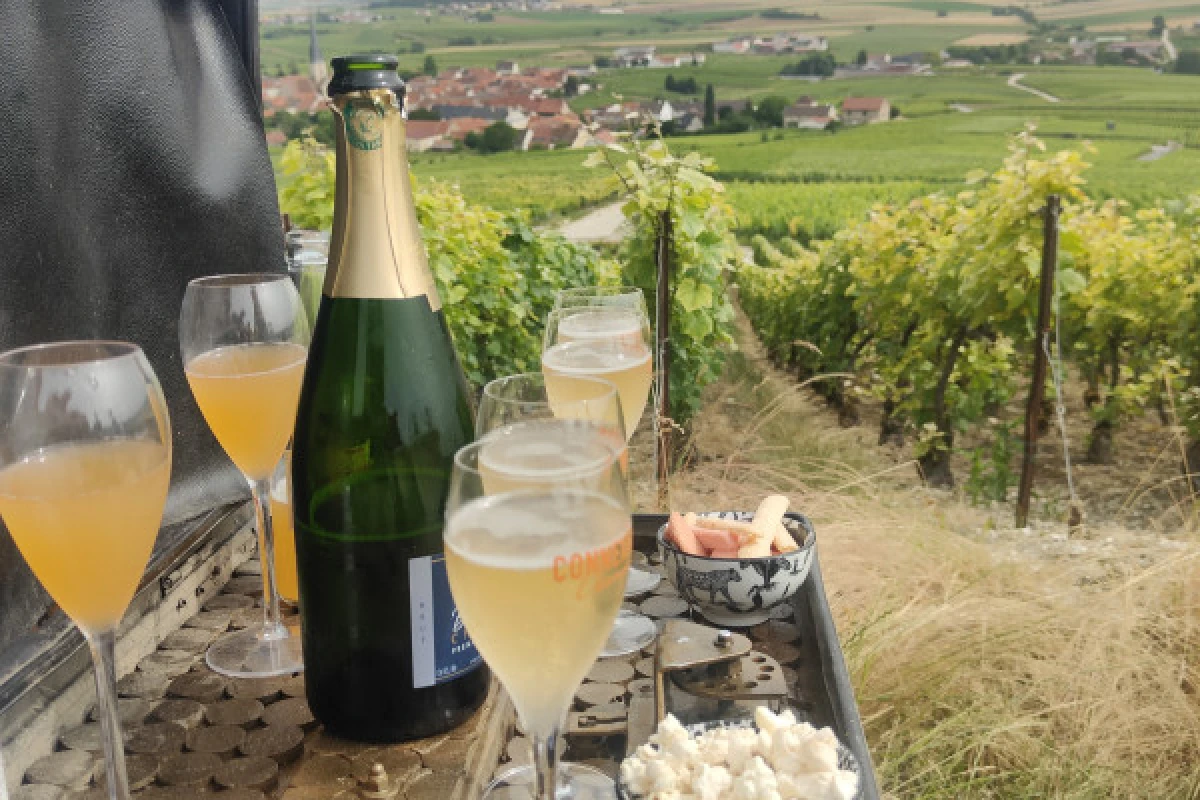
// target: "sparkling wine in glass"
[[287, 581], [599, 342], [244, 341], [525, 435], [538, 576], [85, 463]]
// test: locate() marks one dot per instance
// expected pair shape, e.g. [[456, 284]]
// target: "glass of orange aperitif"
[[244, 342], [85, 463]]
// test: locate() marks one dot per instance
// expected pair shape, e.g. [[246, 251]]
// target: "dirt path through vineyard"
[[603, 224]]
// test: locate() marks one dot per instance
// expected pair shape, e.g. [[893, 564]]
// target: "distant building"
[[446, 111], [633, 56], [295, 94], [555, 133], [425, 134], [1152, 49], [957, 63], [661, 110], [675, 60], [738, 46], [807, 114], [507, 68], [865, 110], [688, 122], [457, 129]]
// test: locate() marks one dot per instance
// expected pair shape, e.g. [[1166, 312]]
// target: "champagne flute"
[[244, 342], [85, 463], [539, 570], [599, 342], [533, 426], [605, 333]]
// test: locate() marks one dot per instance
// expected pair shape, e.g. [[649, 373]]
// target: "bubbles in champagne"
[[618, 324], [527, 530], [594, 358], [539, 450]]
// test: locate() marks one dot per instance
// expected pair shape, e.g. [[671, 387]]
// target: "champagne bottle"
[[382, 411]]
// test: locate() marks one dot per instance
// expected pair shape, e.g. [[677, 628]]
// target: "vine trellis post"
[[662, 347], [1037, 384]]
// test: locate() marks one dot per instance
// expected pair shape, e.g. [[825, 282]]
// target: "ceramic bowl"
[[739, 592], [846, 759]]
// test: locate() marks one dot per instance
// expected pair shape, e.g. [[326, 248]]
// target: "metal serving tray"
[[263, 742]]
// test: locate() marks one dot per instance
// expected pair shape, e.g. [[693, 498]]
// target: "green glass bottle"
[[382, 411]]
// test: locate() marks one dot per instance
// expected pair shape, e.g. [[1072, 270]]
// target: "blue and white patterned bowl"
[[739, 592]]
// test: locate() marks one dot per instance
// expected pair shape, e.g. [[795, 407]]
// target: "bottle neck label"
[[364, 126], [376, 250]]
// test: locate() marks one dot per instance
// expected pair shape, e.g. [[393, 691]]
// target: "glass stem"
[[272, 619], [545, 763], [103, 647]]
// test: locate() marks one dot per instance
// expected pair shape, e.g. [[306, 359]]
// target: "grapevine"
[[703, 250], [930, 305]]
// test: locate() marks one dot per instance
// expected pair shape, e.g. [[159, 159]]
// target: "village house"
[[423, 135], [1151, 49], [448, 111], [459, 128], [633, 56], [807, 114], [555, 133], [781, 43], [737, 46], [865, 110], [294, 94]]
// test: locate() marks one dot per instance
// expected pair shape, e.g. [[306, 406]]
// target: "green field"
[[800, 182], [809, 182]]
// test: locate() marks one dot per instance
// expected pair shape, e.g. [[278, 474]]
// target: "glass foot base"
[[641, 581], [575, 782], [631, 632], [257, 652]]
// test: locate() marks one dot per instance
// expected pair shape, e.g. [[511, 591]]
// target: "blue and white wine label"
[[441, 648]]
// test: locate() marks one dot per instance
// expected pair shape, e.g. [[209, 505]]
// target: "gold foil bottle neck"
[[376, 249]]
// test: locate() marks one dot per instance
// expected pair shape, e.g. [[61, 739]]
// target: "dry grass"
[[984, 669]]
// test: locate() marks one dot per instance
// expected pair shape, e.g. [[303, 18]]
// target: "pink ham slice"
[[716, 540], [680, 533]]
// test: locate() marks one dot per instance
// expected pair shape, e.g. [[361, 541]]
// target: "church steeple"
[[318, 70]]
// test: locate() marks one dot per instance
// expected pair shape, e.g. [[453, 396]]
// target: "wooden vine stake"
[[662, 295], [1037, 384]]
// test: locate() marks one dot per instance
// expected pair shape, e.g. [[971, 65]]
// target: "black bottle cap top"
[[360, 73]]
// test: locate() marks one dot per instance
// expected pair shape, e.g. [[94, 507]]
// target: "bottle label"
[[441, 648], [363, 126]]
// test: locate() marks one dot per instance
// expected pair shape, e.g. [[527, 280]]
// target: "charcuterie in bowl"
[[721, 576]]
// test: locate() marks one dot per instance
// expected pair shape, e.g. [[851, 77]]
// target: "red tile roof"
[[863, 104], [459, 128], [426, 128]]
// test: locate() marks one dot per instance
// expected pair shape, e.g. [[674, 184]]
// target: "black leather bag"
[[132, 160]]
